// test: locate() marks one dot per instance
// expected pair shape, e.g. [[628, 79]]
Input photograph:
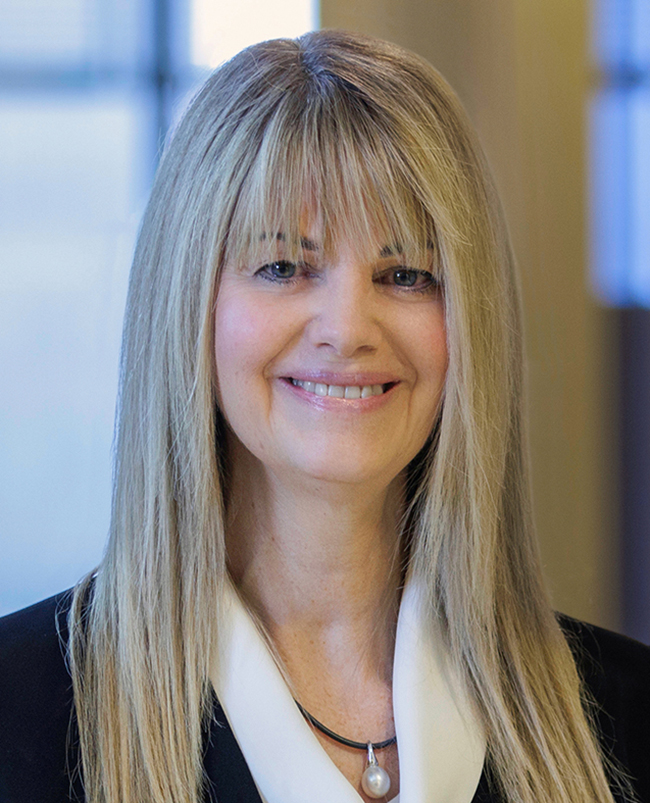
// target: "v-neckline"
[[228, 776], [442, 746]]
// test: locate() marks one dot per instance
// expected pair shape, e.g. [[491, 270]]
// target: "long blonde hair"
[[378, 141]]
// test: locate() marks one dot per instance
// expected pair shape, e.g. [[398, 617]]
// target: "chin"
[[343, 467]]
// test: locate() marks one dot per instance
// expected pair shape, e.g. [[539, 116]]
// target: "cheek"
[[234, 333], [432, 367], [440, 352], [250, 332], [428, 348], [430, 360], [238, 332]]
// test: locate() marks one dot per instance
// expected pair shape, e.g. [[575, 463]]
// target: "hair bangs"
[[325, 174]]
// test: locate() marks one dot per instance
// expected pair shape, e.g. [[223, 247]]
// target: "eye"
[[405, 278], [282, 269], [409, 279]]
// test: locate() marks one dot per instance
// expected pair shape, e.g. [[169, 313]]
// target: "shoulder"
[[614, 667], [616, 673], [32, 654], [35, 703], [33, 630]]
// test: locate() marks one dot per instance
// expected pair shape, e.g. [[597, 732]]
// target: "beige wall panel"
[[567, 336], [521, 69]]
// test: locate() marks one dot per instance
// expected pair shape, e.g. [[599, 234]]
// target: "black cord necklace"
[[341, 739], [375, 780]]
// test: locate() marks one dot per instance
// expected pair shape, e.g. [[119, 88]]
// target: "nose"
[[346, 320]]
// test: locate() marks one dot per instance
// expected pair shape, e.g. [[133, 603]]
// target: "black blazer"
[[38, 765]]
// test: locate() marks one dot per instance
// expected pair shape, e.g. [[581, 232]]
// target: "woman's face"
[[332, 368]]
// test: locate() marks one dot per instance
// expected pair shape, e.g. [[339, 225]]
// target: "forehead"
[[291, 224], [374, 239], [276, 244]]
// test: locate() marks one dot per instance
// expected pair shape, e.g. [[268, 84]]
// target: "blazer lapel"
[[228, 778]]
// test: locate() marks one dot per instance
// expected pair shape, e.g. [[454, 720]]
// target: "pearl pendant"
[[374, 781]]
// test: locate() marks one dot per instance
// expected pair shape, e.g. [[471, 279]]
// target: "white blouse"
[[441, 741]]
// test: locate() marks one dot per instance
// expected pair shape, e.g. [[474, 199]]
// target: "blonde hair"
[[375, 139]]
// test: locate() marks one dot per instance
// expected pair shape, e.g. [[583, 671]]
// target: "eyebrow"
[[311, 245], [391, 250], [307, 244]]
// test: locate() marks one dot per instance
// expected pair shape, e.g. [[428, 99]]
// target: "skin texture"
[[317, 484]]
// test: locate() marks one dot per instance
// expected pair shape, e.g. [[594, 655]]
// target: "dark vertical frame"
[[171, 74], [162, 68], [634, 440]]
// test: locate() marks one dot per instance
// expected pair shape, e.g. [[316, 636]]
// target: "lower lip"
[[338, 404]]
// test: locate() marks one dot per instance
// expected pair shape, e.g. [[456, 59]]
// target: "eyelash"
[[431, 287], [264, 274]]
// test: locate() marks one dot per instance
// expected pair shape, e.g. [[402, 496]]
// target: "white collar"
[[441, 742]]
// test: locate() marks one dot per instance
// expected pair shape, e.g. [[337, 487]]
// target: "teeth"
[[339, 391]]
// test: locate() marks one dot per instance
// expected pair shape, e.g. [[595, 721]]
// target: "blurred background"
[[560, 94]]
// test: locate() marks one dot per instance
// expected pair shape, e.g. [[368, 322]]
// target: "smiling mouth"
[[341, 391]]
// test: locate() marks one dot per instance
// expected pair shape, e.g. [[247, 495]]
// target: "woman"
[[321, 487]]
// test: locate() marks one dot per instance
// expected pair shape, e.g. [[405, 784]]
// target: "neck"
[[315, 558]]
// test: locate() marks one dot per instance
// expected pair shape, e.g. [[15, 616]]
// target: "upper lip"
[[347, 378]]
